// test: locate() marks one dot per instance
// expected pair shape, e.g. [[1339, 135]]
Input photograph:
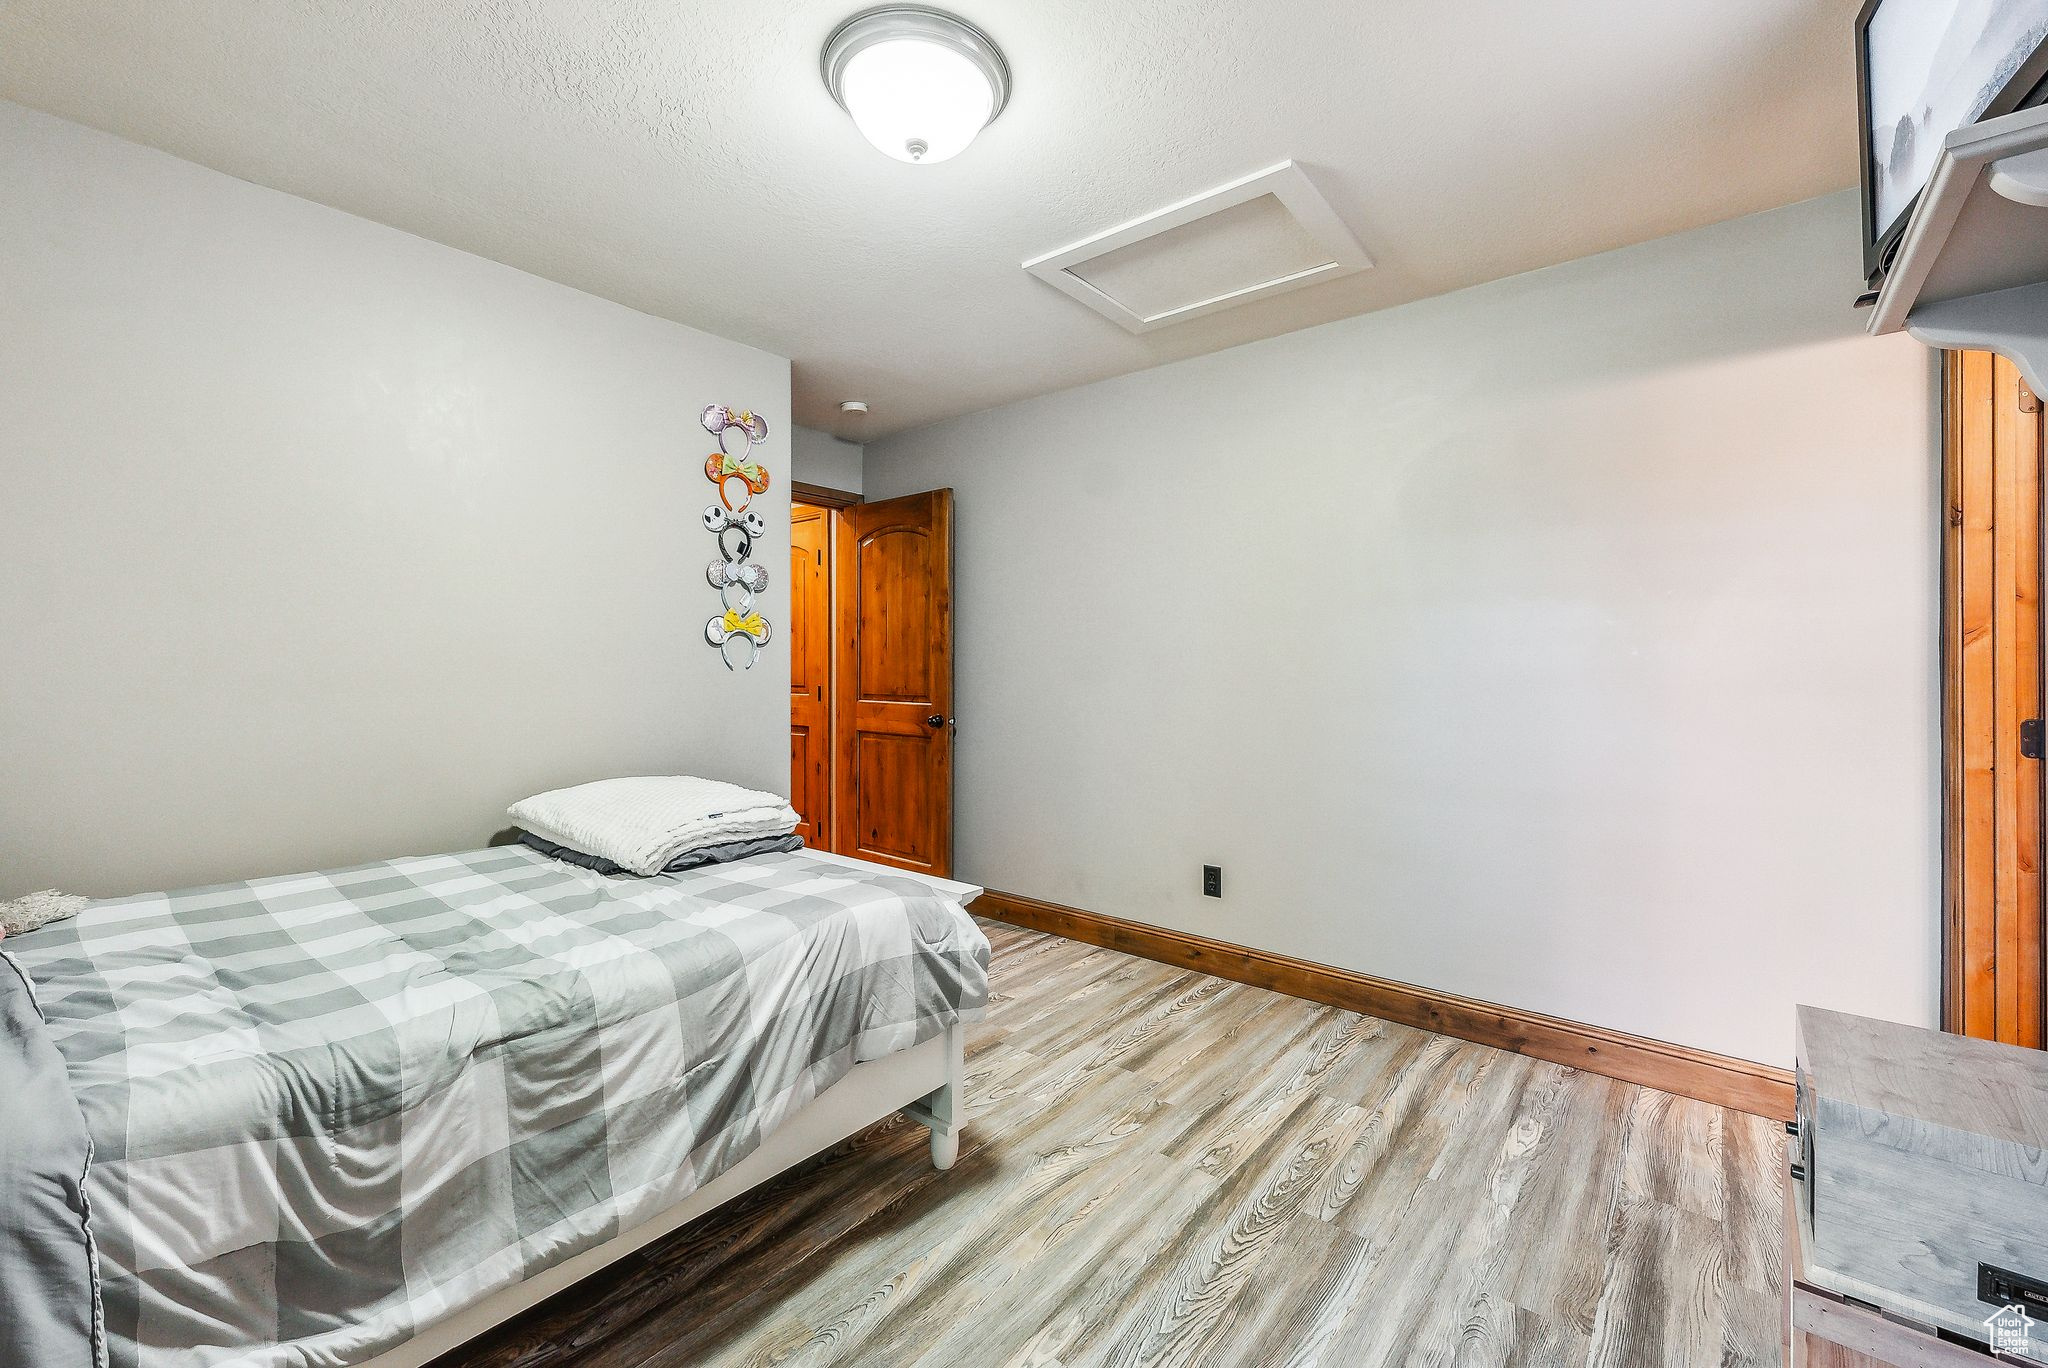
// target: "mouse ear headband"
[[729, 471], [724, 572], [738, 627], [718, 419], [718, 519]]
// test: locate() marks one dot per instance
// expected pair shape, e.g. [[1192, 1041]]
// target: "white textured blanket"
[[643, 823], [31, 910]]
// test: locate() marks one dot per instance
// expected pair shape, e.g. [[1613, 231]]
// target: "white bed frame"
[[923, 1082]]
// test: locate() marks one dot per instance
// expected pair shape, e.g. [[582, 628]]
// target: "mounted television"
[[1925, 68]]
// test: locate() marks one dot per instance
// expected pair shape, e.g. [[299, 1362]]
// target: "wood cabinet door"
[[810, 672], [893, 723]]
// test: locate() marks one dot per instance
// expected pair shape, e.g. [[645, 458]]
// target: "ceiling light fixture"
[[919, 83]]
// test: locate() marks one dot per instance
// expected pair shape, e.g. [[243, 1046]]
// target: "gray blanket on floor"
[[49, 1297], [330, 1110]]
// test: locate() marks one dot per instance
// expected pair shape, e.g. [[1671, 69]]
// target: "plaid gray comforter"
[[330, 1109]]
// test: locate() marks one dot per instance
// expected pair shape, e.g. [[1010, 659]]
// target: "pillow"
[[689, 859], [642, 823]]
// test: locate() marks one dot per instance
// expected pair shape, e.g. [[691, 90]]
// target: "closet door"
[[1993, 937], [893, 724], [810, 671]]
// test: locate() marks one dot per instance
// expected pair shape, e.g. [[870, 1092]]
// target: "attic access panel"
[[1265, 234]]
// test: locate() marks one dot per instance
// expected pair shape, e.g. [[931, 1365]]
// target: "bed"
[[360, 1116]]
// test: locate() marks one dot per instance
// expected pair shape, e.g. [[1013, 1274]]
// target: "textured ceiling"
[[684, 158]]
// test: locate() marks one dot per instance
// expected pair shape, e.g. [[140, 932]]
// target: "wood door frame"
[[821, 497], [1993, 933], [828, 516]]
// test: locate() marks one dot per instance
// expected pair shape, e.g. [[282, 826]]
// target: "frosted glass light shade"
[[919, 84]]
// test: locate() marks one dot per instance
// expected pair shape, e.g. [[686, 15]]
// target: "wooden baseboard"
[[1719, 1079]]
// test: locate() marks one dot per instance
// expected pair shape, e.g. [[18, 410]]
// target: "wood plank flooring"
[[1164, 1168]]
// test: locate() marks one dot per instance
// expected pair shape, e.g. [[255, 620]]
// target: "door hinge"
[[2030, 738], [2030, 402]]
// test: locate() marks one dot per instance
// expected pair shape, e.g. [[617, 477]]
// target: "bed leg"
[[945, 1148], [941, 1110]]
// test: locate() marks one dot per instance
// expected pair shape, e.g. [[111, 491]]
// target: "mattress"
[[328, 1110]]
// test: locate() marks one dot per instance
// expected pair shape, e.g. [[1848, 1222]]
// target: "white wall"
[[819, 458], [321, 543], [1567, 642]]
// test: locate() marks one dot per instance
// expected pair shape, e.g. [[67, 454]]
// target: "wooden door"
[[892, 571], [1991, 668], [810, 671]]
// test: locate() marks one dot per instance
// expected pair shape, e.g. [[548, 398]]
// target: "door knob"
[[936, 720]]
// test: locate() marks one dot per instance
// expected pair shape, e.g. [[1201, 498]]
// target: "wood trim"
[[1956, 797], [799, 492], [813, 646], [1719, 1079]]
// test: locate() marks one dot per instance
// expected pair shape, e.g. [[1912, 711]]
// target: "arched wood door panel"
[[894, 588], [893, 596]]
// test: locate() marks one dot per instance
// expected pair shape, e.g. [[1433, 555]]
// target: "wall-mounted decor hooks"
[[739, 477]]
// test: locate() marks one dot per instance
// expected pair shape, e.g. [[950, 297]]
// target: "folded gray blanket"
[[689, 859], [49, 1288]]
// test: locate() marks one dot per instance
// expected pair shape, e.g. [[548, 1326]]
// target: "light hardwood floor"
[[1167, 1168]]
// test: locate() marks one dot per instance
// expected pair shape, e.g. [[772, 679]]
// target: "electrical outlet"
[[1212, 881], [2003, 1287]]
